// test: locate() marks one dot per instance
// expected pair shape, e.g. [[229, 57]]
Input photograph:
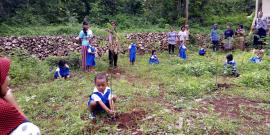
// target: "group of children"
[[229, 34], [101, 99]]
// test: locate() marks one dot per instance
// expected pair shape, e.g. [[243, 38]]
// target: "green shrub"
[[73, 60], [192, 88], [26, 68], [256, 79], [198, 69]]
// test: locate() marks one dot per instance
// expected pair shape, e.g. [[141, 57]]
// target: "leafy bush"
[[25, 68], [256, 79], [198, 69], [73, 60], [192, 88]]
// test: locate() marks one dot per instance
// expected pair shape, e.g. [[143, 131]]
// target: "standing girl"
[[215, 37], [182, 39], [182, 35], [91, 55], [228, 34], [240, 33], [182, 51], [85, 36], [132, 53]]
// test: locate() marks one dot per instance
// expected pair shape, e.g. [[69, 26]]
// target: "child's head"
[[101, 81], [183, 28], [202, 46], [260, 52], [215, 26], [229, 26], [61, 64], [133, 41], [240, 26], [172, 28], [85, 25], [260, 14], [229, 57], [114, 24], [186, 27], [181, 42], [153, 52]]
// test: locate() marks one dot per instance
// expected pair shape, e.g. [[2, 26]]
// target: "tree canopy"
[[101, 11]]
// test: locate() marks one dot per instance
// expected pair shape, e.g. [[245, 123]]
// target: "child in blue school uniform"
[[101, 99], [62, 71], [230, 67], [153, 59], [182, 51], [90, 61], [202, 51], [132, 53], [258, 57]]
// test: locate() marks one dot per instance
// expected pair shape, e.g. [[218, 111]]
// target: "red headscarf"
[[10, 117], [4, 68]]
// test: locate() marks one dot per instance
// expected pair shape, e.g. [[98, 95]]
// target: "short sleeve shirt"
[[182, 35], [85, 37], [97, 98]]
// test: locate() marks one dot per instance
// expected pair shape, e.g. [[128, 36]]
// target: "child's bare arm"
[[112, 104], [104, 107]]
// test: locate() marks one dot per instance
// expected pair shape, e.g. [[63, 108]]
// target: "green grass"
[[59, 107], [66, 29]]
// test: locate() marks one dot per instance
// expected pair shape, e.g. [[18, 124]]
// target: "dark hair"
[[241, 26], [61, 63], [85, 30], [214, 26], [229, 24], [229, 57], [153, 51], [182, 27], [114, 22], [101, 76]]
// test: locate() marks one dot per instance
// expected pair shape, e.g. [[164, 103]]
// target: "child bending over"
[[258, 58], [230, 66], [154, 59], [202, 51], [101, 99], [62, 71]]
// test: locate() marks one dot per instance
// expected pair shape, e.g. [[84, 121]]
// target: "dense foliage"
[[127, 12]]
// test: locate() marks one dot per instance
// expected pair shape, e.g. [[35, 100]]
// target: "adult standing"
[[260, 28], [12, 119], [172, 36], [85, 38], [114, 47], [215, 37]]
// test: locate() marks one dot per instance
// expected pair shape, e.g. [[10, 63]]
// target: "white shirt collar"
[[96, 90]]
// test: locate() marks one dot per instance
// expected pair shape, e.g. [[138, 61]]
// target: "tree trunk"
[[186, 11]]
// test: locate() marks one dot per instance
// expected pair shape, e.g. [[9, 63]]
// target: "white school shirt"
[[182, 35], [97, 98]]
